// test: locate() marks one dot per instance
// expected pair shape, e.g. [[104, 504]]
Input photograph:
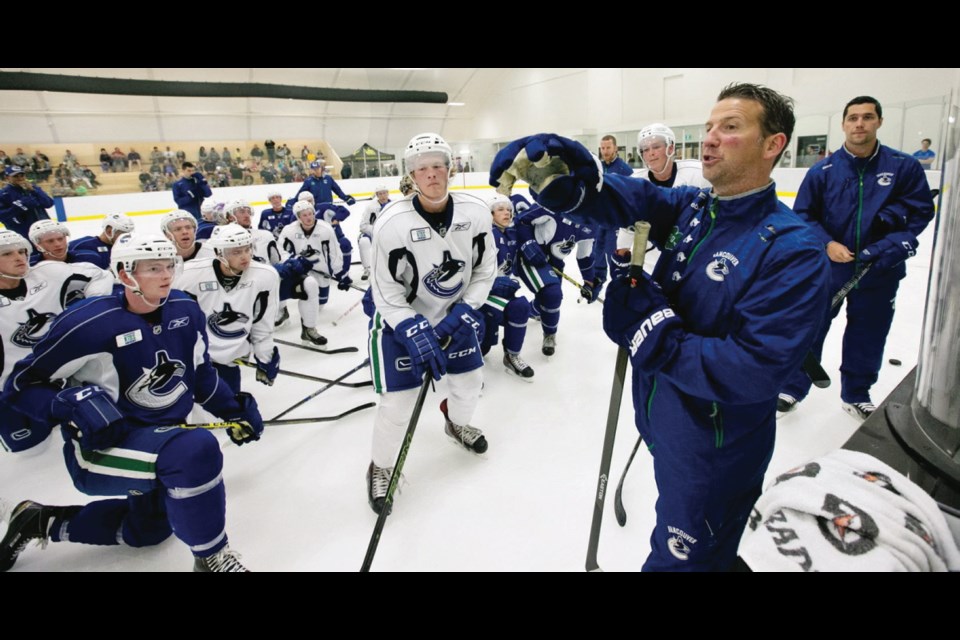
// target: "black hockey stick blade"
[[618, 496], [317, 349], [361, 407], [304, 376], [818, 375]]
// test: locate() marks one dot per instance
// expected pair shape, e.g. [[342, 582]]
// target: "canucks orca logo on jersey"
[[562, 248], [30, 332], [217, 321], [444, 272], [158, 387]]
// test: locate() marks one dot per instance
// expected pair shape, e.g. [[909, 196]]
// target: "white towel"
[[847, 511]]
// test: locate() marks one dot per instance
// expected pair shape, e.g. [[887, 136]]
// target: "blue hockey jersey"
[[154, 367]]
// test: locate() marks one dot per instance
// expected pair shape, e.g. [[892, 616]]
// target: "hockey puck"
[[895, 362]]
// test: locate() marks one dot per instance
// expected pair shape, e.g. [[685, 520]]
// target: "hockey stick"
[[578, 285], [227, 424], [335, 279], [322, 389], [395, 476], [317, 349], [618, 509], [641, 233], [811, 365], [344, 314], [304, 376]]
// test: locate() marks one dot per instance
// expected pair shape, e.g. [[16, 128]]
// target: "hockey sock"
[[515, 321]]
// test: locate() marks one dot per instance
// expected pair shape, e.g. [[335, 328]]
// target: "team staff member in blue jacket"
[[606, 236], [21, 202], [867, 203], [321, 186], [729, 313], [190, 190]]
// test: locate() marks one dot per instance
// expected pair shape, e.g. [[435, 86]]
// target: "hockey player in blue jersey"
[[210, 213], [545, 239], [112, 227], [134, 364], [276, 216], [334, 214], [49, 237], [504, 307], [322, 186], [730, 311]]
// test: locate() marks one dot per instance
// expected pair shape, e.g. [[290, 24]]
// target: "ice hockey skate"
[[471, 438], [378, 481], [859, 410], [282, 317], [28, 521], [549, 344], [224, 561], [309, 336], [515, 365]]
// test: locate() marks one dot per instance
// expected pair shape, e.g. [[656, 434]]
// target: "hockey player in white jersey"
[[367, 218], [30, 299], [656, 145], [239, 297], [315, 240], [264, 244], [180, 227], [434, 262]]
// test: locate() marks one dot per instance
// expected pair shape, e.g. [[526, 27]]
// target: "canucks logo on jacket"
[[160, 386], [218, 321], [448, 269]]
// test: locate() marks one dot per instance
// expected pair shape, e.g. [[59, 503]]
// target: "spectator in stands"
[[78, 176], [213, 156], [134, 157], [104, 160], [268, 174], [156, 157], [256, 153], [168, 155], [119, 160], [225, 157], [304, 153], [169, 169], [270, 146], [181, 157], [89, 175], [5, 160], [69, 159], [201, 156], [41, 166], [20, 159]]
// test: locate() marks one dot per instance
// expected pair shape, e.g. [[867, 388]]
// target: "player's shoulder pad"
[[259, 269]]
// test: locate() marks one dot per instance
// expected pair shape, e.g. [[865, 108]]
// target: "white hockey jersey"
[[237, 319], [44, 293], [370, 215], [322, 239], [689, 173], [416, 270]]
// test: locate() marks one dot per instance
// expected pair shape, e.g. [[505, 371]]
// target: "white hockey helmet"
[[272, 193], [423, 147], [41, 228], [655, 130], [500, 199], [172, 216], [381, 188], [305, 195], [119, 222], [233, 205], [228, 236], [134, 247], [11, 239], [208, 210], [302, 206]]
